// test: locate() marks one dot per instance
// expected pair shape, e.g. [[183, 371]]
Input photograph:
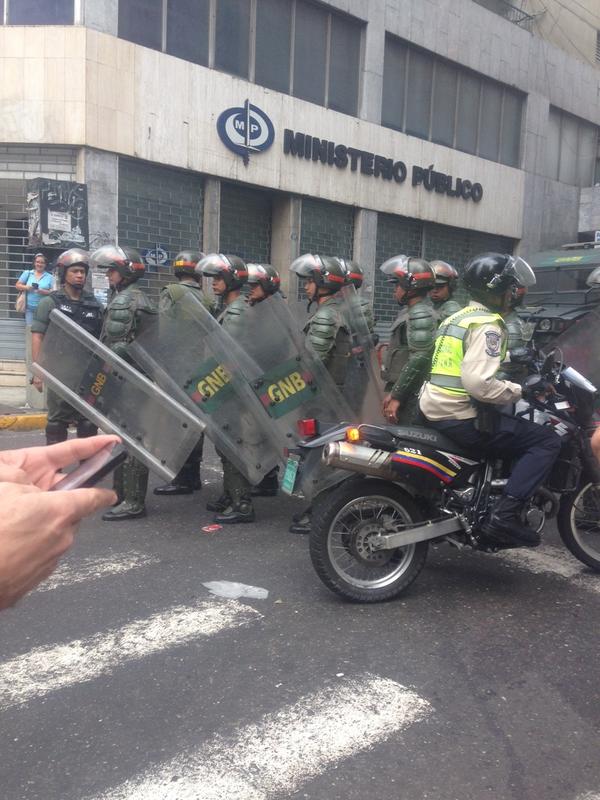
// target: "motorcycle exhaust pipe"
[[356, 458]]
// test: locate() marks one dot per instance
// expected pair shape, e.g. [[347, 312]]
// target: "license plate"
[[289, 476]]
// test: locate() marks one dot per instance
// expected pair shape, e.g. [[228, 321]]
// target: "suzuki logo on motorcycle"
[[245, 130]]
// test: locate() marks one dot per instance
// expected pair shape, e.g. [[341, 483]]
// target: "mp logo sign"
[[245, 130]]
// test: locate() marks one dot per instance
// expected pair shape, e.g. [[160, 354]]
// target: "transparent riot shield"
[[580, 348], [363, 388], [291, 384], [116, 397], [193, 359]]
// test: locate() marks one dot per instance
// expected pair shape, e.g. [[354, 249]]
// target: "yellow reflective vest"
[[449, 350]]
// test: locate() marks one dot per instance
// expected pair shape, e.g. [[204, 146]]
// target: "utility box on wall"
[[57, 213]]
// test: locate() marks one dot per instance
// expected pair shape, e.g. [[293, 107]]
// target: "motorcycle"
[[413, 486]]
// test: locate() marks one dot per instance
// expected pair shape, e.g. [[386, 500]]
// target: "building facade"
[[268, 128]]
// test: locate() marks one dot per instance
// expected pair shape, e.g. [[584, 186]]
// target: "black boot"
[[242, 511], [505, 525], [301, 523], [183, 483], [135, 483], [221, 504], [56, 432], [269, 486]]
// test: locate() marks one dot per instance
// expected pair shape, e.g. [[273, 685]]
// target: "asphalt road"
[[124, 677]]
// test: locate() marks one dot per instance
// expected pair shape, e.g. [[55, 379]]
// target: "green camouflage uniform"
[[445, 309], [516, 340], [367, 309], [330, 339], [408, 357], [124, 315]]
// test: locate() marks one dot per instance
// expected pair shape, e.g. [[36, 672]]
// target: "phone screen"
[[93, 469]]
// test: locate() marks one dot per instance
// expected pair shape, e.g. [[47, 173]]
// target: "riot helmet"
[[325, 271], [445, 274], [414, 275], [354, 274], [232, 269], [74, 257], [265, 276], [125, 260], [488, 277], [593, 280], [186, 263]]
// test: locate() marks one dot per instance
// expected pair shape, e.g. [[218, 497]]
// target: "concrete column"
[[364, 247], [371, 87], [101, 15], [100, 171], [285, 244], [211, 227]]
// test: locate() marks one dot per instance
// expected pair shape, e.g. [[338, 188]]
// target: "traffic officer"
[[408, 356], [469, 349], [125, 312], [326, 330], [355, 277], [229, 274], [80, 306], [446, 278], [264, 282], [189, 280]]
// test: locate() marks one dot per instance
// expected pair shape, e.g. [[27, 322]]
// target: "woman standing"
[[36, 283]]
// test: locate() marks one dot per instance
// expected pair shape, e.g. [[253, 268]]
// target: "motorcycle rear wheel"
[[343, 522], [579, 524]]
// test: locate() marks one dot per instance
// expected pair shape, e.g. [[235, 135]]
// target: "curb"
[[22, 422]]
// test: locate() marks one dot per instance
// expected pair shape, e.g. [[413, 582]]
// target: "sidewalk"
[[15, 415]]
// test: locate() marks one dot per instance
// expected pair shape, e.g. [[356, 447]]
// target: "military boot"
[[135, 484], [56, 432], [505, 525], [241, 510], [185, 482], [269, 486], [220, 504]]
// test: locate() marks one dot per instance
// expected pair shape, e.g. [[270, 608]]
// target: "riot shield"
[[192, 358], [362, 387], [115, 397], [580, 348]]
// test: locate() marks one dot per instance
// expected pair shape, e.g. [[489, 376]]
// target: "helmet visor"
[[522, 272], [213, 265], [109, 255], [304, 266], [257, 273], [394, 267]]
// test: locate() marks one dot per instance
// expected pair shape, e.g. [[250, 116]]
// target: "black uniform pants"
[[536, 448]]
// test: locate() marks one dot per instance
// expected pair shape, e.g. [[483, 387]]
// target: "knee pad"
[[85, 428]]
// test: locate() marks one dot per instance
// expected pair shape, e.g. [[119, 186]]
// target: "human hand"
[[37, 528], [38, 383], [39, 465], [391, 411]]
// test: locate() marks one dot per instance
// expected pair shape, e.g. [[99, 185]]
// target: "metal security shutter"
[[18, 163]]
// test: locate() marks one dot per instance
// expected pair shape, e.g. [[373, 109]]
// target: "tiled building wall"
[[326, 228], [245, 227]]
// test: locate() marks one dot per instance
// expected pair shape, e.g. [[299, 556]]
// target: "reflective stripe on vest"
[[448, 352]]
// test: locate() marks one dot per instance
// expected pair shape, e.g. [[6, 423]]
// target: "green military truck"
[[561, 294]]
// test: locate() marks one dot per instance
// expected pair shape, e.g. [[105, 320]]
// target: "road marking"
[[46, 669], [92, 568], [555, 561], [286, 748]]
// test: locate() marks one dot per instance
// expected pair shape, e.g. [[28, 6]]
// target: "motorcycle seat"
[[429, 436]]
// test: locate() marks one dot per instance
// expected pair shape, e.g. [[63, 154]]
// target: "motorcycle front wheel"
[[579, 524], [345, 523]]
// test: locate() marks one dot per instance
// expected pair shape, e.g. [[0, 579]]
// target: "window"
[[187, 29], [39, 12], [140, 21], [292, 46], [571, 149], [232, 36], [273, 44], [426, 96]]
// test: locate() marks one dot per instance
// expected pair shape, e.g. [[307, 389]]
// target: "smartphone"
[[93, 469]]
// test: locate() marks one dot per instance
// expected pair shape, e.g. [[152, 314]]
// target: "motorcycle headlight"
[[545, 325]]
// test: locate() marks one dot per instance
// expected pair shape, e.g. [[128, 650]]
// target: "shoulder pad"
[[142, 301], [421, 311], [121, 300]]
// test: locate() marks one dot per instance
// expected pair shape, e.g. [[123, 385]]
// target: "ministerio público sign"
[[247, 129]]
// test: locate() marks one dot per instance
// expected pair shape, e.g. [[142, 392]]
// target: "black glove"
[[536, 385]]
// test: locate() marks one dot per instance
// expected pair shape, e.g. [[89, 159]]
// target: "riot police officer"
[[264, 282], [517, 337], [408, 356], [326, 330], [469, 349], [229, 274], [126, 309], [446, 278], [189, 279], [355, 277], [82, 307]]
